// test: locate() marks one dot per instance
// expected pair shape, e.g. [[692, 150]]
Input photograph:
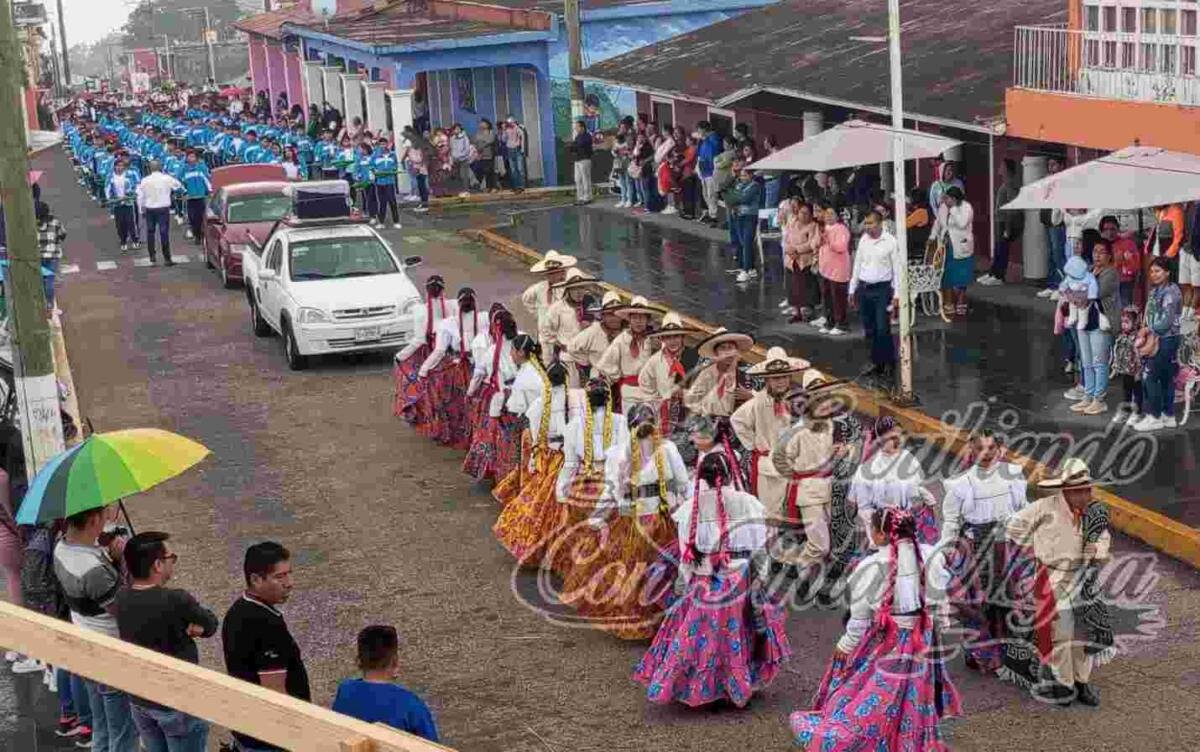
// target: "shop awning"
[[854, 143], [1135, 177]]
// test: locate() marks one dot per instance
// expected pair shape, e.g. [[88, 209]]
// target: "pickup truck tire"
[[257, 323], [295, 360]]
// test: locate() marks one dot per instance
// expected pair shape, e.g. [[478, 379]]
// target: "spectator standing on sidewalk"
[[165, 620], [876, 271], [1127, 258], [12, 550], [689, 182], [801, 241], [581, 153], [460, 157], [90, 578], [709, 146], [743, 200], [1056, 240], [947, 178], [622, 150], [258, 646], [1189, 265], [485, 151], [514, 154], [1009, 225], [955, 228], [154, 199], [1161, 323], [50, 235], [376, 697], [833, 266]]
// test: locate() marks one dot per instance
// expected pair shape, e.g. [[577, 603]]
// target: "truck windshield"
[[267, 208], [334, 258]]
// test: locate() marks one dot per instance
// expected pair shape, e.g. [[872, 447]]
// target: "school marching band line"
[[671, 503]]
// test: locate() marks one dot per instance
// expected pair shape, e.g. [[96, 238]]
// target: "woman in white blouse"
[[953, 228], [495, 434], [892, 477], [446, 372], [529, 385], [720, 640], [887, 686]]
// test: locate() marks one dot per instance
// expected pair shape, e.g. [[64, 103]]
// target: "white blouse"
[[447, 339], [420, 321], [644, 499], [981, 497], [526, 387], [888, 481], [745, 523], [559, 400], [508, 373], [574, 444], [869, 581]]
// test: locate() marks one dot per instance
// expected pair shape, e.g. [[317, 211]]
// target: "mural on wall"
[[464, 89], [605, 105]]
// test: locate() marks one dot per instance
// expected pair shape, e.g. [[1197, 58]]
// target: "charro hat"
[[778, 363], [638, 305], [611, 301], [1074, 474], [814, 381], [576, 279], [708, 347], [551, 262], [671, 325]]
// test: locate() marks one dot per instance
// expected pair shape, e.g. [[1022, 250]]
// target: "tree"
[[151, 19]]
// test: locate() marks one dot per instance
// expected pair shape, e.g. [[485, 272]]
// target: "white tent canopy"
[[854, 143], [1133, 178]]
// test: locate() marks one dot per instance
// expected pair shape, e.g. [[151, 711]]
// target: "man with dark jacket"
[[581, 152], [1009, 225]]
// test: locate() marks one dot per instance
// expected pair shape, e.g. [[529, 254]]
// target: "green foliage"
[[150, 19]]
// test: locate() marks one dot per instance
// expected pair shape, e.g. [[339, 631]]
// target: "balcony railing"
[[1107, 64]]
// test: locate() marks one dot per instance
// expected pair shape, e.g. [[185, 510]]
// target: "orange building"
[[1117, 72]]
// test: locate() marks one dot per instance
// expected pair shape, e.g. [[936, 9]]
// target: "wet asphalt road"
[[385, 528]]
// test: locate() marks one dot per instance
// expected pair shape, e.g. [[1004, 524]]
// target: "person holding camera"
[[86, 562]]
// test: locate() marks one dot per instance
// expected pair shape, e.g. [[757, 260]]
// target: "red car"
[[247, 199]]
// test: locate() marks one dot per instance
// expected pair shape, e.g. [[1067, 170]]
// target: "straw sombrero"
[[611, 301], [577, 279], [708, 347], [553, 261], [671, 325], [638, 305], [777, 363], [1074, 474]]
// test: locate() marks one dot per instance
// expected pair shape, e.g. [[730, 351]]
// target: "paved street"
[[385, 528]]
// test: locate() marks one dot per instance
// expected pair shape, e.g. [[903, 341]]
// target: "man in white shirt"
[[154, 198], [874, 277]]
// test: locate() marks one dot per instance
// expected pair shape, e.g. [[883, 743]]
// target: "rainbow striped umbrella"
[[105, 468]]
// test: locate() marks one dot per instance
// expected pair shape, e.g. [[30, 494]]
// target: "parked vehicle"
[[237, 209], [329, 285]]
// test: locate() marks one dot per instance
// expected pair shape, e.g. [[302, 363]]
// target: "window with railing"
[[1187, 63], [1149, 59], [1110, 18], [1149, 20], [1189, 23], [1129, 20], [1092, 21], [1167, 24], [1167, 58]]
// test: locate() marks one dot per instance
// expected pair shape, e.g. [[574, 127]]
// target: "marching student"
[[196, 187], [120, 191], [385, 167]]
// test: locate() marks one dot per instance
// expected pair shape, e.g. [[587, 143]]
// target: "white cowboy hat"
[[552, 262], [708, 347], [576, 278], [777, 363], [610, 301], [814, 381], [638, 305], [1074, 474], [671, 325]]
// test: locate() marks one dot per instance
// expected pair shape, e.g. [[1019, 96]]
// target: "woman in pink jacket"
[[833, 265]]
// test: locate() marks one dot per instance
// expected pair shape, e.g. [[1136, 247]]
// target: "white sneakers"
[[622, 204], [670, 210], [834, 332], [1055, 295], [124, 247], [188, 233], [988, 280], [784, 303], [819, 323], [395, 225], [743, 276], [27, 666], [1046, 293], [1149, 423], [1069, 367], [1075, 393]]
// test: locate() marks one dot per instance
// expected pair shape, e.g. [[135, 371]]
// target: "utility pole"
[[167, 57], [33, 360], [899, 186], [62, 37], [208, 42], [574, 56]]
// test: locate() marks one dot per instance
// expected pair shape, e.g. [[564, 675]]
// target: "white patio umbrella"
[[1135, 177], [853, 143]]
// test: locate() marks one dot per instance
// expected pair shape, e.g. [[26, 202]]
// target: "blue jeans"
[[73, 696], [771, 190], [1094, 349], [1056, 238], [112, 721], [873, 302], [166, 730], [623, 182], [744, 226], [1159, 381], [516, 169]]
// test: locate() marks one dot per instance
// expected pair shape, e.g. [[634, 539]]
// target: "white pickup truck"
[[329, 286]]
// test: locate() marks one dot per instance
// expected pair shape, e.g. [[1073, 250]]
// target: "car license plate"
[[366, 334]]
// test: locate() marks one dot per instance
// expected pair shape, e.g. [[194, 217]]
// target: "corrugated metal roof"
[[270, 24], [957, 60]]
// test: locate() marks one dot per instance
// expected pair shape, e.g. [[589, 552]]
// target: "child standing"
[[1128, 366], [50, 235], [376, 698]]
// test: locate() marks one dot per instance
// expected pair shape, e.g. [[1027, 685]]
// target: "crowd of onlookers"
[[89, 570]]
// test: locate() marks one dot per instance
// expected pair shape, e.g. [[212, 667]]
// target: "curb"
[[1158, 531], [502, 197]]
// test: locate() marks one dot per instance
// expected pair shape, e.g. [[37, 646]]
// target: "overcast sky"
[[90, 20]]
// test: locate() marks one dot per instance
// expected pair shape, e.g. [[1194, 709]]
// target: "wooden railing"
[[218, 698]]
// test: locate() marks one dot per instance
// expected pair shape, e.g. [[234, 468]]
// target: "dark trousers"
[[422, 188], [1132, 390], [385, 198], [744, 226], [691, 189], [485, 172], [1159, 384], [158, 222], [195, 215], [1000, 260], [803, 289], [126, 230], [367, 198], [873, 302], [834, 294]]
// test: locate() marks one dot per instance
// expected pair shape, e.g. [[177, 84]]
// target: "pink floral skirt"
[[412, 396], [446, 390]]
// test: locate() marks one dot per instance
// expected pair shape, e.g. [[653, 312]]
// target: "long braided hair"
[[599, 394], [714, 470], [435, 287], [643, 425], [899, 526]]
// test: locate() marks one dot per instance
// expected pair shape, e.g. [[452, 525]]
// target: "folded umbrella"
[[105, 468]]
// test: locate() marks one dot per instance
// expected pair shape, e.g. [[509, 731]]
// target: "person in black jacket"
[[581, 151]]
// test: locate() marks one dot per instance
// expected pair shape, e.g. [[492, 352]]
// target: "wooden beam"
[[218, 698]]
